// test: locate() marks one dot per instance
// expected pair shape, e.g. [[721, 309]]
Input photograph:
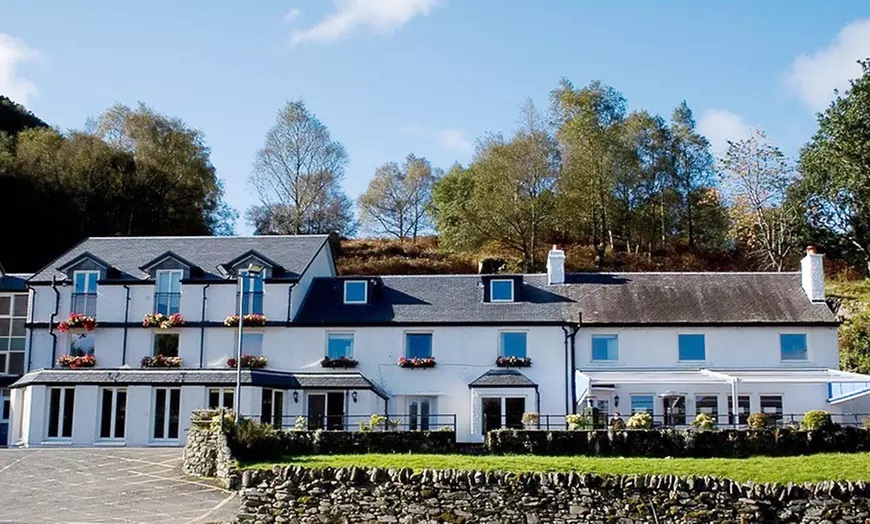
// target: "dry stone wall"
[[207, 452]]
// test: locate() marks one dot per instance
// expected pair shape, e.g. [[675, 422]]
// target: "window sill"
[[702, 363], [66, 441], [608, 363], [110, 443]]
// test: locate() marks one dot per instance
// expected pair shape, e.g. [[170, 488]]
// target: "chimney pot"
[[556, 266], [811, 250]]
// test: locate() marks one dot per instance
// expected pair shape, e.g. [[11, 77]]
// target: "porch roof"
[[720, 376], [502, 378]]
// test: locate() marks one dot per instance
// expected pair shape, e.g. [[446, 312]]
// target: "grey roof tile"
[[128, 254], [502, 378], [597, 298]]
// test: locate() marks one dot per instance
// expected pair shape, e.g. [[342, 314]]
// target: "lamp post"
[[252, 272]]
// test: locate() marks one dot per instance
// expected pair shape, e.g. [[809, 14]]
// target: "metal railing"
[[253, 302], [84, 303], [723, 420], [393, 422], [167, 303]]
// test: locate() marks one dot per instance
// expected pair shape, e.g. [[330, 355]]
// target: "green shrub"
[[301, 423], [867, 423], [530, 420], [576, 422], [758, 421], [704, 422], [816, 420], [640, 420]]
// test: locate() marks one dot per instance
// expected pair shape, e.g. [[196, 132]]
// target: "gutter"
[[126, 319], [52, 319], [202, 327], [290, 301]]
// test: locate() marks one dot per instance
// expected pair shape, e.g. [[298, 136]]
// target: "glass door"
[[335, 411], [316, 410], [167, 404], [418, 414], [491, 413], [5, 405]]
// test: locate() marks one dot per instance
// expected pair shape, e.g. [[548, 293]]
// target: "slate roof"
[[174, 377], [128, 254], [596, 298], [13, 281], [502, 378]]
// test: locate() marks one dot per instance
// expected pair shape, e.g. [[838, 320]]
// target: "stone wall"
[[358, 495], [207, 452]]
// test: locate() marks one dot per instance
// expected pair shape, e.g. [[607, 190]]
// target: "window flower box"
[[417, 362], [159, 361], [343, 363], [77, 362], [249, 362], [251, 320], [513, 362], [77, 321], [159, 320]]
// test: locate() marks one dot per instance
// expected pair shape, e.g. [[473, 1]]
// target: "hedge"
[[679, 443]]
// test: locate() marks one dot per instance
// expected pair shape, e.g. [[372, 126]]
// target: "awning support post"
[[734, 403]]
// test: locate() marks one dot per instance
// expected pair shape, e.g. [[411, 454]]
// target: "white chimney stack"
[[813, 275], [556, 266]]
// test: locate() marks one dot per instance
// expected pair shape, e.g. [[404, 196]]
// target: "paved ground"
[[106, 485]]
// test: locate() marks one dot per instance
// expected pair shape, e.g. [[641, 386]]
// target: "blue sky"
[[390, 77]]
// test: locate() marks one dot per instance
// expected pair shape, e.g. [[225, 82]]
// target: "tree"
[[14, 118], [835, 164], [398, 198], [757, 177], [297, 176], [692, 164]]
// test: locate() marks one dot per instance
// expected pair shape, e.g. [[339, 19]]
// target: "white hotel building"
[[675, 344]]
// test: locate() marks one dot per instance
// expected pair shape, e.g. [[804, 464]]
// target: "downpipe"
[[126, 319], [202, 326], [53, 318]]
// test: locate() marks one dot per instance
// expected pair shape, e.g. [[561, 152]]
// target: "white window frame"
[[417, 332], [794, 360], [61, 406], [642, 394], [112, 415], [492, 285], [340, 334], [605, 360], [419, 422], [246, 333], [7, 350], [691, 361], [222, 394], [168, 273], [365, 285], [166, 415], [86, 291], [509, 331], [160, 333]]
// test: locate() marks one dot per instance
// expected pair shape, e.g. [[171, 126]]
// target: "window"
[[418, 414], [220, 398], [605, 348], [493, 407], [418, 345], [113, 414], [84, 295], [81, 344], [167, 404], [339, 345], [501, 290], [252, 344], [692, 347], [355, 292], [272, 407], [166, 344], [13, 315], [641, 404], [742, 409], [674, 410], [326, 411], [793, 346], [61, 402], [708, 404], [772, 406], [167, 299], [513, 344], [252, 292]]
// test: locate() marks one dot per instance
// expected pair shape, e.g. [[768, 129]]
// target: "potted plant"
[[250, 320], [249, 362], [159, 320], [427, 362], [341, 362], [77, 321], [159, 361], [77, 361], [513, 362]]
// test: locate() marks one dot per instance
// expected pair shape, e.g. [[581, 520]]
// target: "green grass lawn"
[[811, 468]]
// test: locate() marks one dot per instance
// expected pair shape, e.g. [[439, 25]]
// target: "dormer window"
[[501, 290], [355, 292]]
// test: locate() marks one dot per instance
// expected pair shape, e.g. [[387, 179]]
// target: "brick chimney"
[[813, 275], [556, 266]]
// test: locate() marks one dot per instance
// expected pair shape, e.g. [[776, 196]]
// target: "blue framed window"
[[692, 347], [793, 346], [339, 345], [355, 291], [252, 292], [605, 348], [513, 344], [418, 345], [501, 290], [641, 403], [252, 344], [85, 281]]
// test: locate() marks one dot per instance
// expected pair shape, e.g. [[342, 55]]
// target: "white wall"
[[321, 266]]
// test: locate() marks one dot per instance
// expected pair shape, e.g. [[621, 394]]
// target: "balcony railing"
[[252, 303], [84, 303], [723, 420], [167, 303]]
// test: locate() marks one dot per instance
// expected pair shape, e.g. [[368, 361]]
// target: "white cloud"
[[292, 14], [13, 53], [381, 16], [720, 126], [454, 140], [814, 77]]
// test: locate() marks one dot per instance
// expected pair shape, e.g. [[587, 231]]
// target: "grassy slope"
[[813, 468]]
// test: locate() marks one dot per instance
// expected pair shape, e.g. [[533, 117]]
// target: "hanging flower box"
[[159, 320], [159, 361], [249, 362], [77, 362], [77, 321], [342, 363], [513, 362], [252, 320], [417, 362]]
